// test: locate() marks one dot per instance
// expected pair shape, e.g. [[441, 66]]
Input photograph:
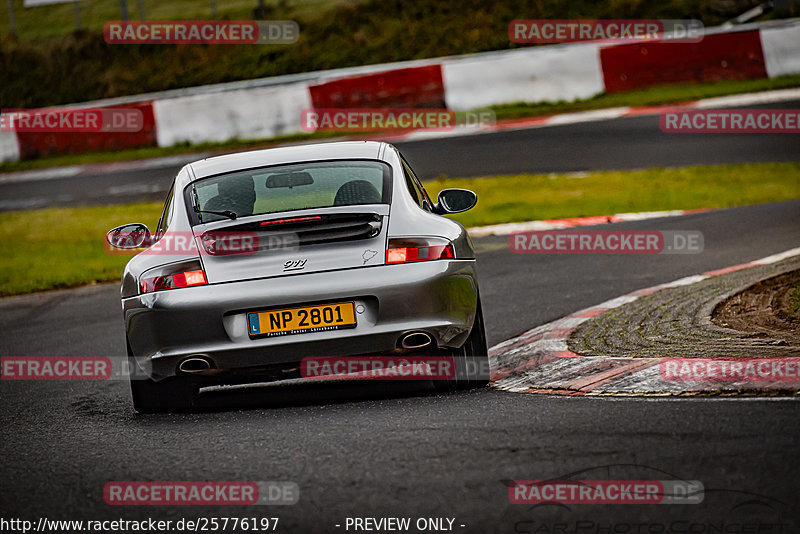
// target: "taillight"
[[413, 249], [185, 274]]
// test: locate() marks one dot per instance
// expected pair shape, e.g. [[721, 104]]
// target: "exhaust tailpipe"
[[194, 365], [416, 340]]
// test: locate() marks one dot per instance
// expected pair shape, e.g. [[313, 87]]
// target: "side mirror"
[[129, 236], [455, 201]]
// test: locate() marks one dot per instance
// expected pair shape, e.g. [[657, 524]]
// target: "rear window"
[[290, 187]]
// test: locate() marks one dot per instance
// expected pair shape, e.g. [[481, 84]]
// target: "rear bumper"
[[438, 297]]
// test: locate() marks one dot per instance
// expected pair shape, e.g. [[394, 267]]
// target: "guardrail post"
[[77, 4], [123, 9], [12, 21]]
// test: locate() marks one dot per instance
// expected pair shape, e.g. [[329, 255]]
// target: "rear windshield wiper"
[[226, 213]]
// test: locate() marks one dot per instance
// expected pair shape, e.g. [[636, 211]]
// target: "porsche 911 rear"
[[285, 254]]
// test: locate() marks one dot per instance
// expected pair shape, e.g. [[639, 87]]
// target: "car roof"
[[291, 154]]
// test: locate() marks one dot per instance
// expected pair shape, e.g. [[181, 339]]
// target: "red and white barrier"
[[256, 113], [49, 143], [781, 48], [535, 74], [9, 146], [538, 74], [413, 87], [721, 56]]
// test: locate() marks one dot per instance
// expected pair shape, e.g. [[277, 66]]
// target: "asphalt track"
[[625, 143], [405, 451], [384, 450]]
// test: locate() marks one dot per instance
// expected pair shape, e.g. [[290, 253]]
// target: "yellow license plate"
[[304, 319]]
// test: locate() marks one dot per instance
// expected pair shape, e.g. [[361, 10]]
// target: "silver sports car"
[[264, 258]]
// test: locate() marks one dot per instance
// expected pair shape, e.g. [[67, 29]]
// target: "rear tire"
[[471, 360], [170, 395]]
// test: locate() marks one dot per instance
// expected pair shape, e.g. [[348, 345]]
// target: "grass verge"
[[795, 299], [526, 197], [63, 247]]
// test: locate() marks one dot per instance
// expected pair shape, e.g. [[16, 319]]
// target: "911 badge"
[[294, 265]]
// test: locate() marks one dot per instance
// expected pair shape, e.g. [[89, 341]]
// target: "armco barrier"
[[38, 144], [721, 56], [9, 147], [538, 74], [781, 50], [257, 113], [417, 87], [272, 106]]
